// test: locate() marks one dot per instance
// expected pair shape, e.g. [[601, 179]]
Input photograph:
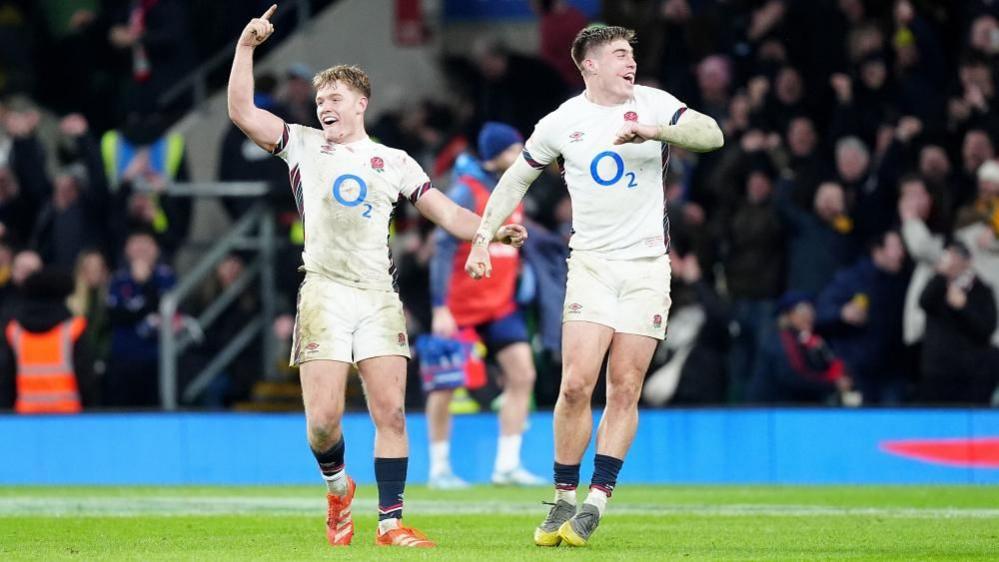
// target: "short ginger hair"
[[347, 74]]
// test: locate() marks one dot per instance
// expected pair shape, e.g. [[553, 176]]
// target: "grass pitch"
[[486, 523]]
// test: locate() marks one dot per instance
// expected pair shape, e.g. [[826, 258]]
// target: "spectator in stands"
[[46, 365], [802, 160], [863, 102], [24, 264], [690, 365], [242, 160], [924, 246], [753, 261], [795, 365], [75, 216], [860, 312], [89, 300], [140, 161], [559, 23], [133, 309], [235, 382], [154, 41], [958, 364], [976, 149], [297, 95], [978, 229], [938, 177], [820, 240], [515, 89], [23, 183]]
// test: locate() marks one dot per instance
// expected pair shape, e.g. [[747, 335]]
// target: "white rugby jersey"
[[346, 194], [618, 206]]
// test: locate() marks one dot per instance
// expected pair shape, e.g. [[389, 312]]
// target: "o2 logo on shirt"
[[618, 172], [342, 183]]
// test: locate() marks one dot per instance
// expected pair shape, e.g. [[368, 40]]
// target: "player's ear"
[[363, 103], [589, 66]]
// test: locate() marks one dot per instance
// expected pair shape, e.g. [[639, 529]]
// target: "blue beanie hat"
[[496, 137]]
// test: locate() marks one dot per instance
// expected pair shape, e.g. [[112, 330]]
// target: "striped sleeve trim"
[[419, 192], [676, 116], [533, 163], [282, 144]]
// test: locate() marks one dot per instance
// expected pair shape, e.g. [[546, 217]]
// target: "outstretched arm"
[[692, 131], [262, 127], [462, 223], [504, 199]]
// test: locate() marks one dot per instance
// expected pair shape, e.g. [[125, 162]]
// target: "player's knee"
[[575, 392], [522, 379], [389, 418], [624, 394]]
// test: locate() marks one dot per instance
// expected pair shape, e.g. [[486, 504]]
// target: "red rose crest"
[[657, 321], [631, 116], [377, 164]]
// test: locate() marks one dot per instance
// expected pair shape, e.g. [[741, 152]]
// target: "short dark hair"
[[595, 36]]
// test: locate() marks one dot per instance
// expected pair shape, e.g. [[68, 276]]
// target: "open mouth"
[[329, 120], [629, 78]]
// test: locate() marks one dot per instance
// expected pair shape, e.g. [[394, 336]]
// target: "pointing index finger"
[[270, 12]]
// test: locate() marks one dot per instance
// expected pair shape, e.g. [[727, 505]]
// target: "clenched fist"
[[259, 29]]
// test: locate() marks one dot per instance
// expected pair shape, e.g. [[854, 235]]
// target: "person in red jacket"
[[463, 307]]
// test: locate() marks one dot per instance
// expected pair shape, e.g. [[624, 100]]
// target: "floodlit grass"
[[487, 523]]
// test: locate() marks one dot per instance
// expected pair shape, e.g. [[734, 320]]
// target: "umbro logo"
[[327, 148], [576, 136]]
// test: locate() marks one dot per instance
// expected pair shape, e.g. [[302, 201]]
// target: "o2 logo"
[[362, 193], [618, 171]]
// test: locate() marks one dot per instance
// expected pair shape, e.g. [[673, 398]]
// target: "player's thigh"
[[584, 345], [381, 330], [384, 379], [630, 355], [323, 384], [590, 291], [324, 322], [644, 300]]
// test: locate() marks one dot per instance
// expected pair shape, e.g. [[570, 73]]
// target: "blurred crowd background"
[[841, 249]]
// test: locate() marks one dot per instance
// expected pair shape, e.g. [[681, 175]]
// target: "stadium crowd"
[[843, 248]]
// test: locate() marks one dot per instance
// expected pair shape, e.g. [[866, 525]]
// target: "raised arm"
[[262, 127]]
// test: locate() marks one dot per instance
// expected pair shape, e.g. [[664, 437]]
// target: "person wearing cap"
[[794, 364], [488, 307], [958, 365], [978, 230]]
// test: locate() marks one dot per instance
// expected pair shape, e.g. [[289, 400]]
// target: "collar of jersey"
[[591, 103]]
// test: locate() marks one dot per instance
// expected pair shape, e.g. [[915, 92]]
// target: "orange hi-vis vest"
[[46, 379]]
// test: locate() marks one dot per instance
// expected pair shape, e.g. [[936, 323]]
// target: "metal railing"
[[197, 80], [254, 231]]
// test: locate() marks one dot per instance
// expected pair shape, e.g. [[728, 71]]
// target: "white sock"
[[337, 483], [440, 458], [565, 495], [598, 499], [386, 525], [508, 452]]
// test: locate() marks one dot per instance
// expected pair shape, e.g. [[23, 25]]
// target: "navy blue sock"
[[391, 477], [331, 460], [566, 476], [605, 469]]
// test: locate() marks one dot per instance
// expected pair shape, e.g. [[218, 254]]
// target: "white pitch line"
[[159, 505]]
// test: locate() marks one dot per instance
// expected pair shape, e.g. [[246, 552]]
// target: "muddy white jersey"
[[346, 194], [618, 206]]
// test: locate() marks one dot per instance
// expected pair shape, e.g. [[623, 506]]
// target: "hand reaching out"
[[259, 29]]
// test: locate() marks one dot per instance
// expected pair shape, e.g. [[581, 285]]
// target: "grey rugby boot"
[[577, 531], [547, 534]]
